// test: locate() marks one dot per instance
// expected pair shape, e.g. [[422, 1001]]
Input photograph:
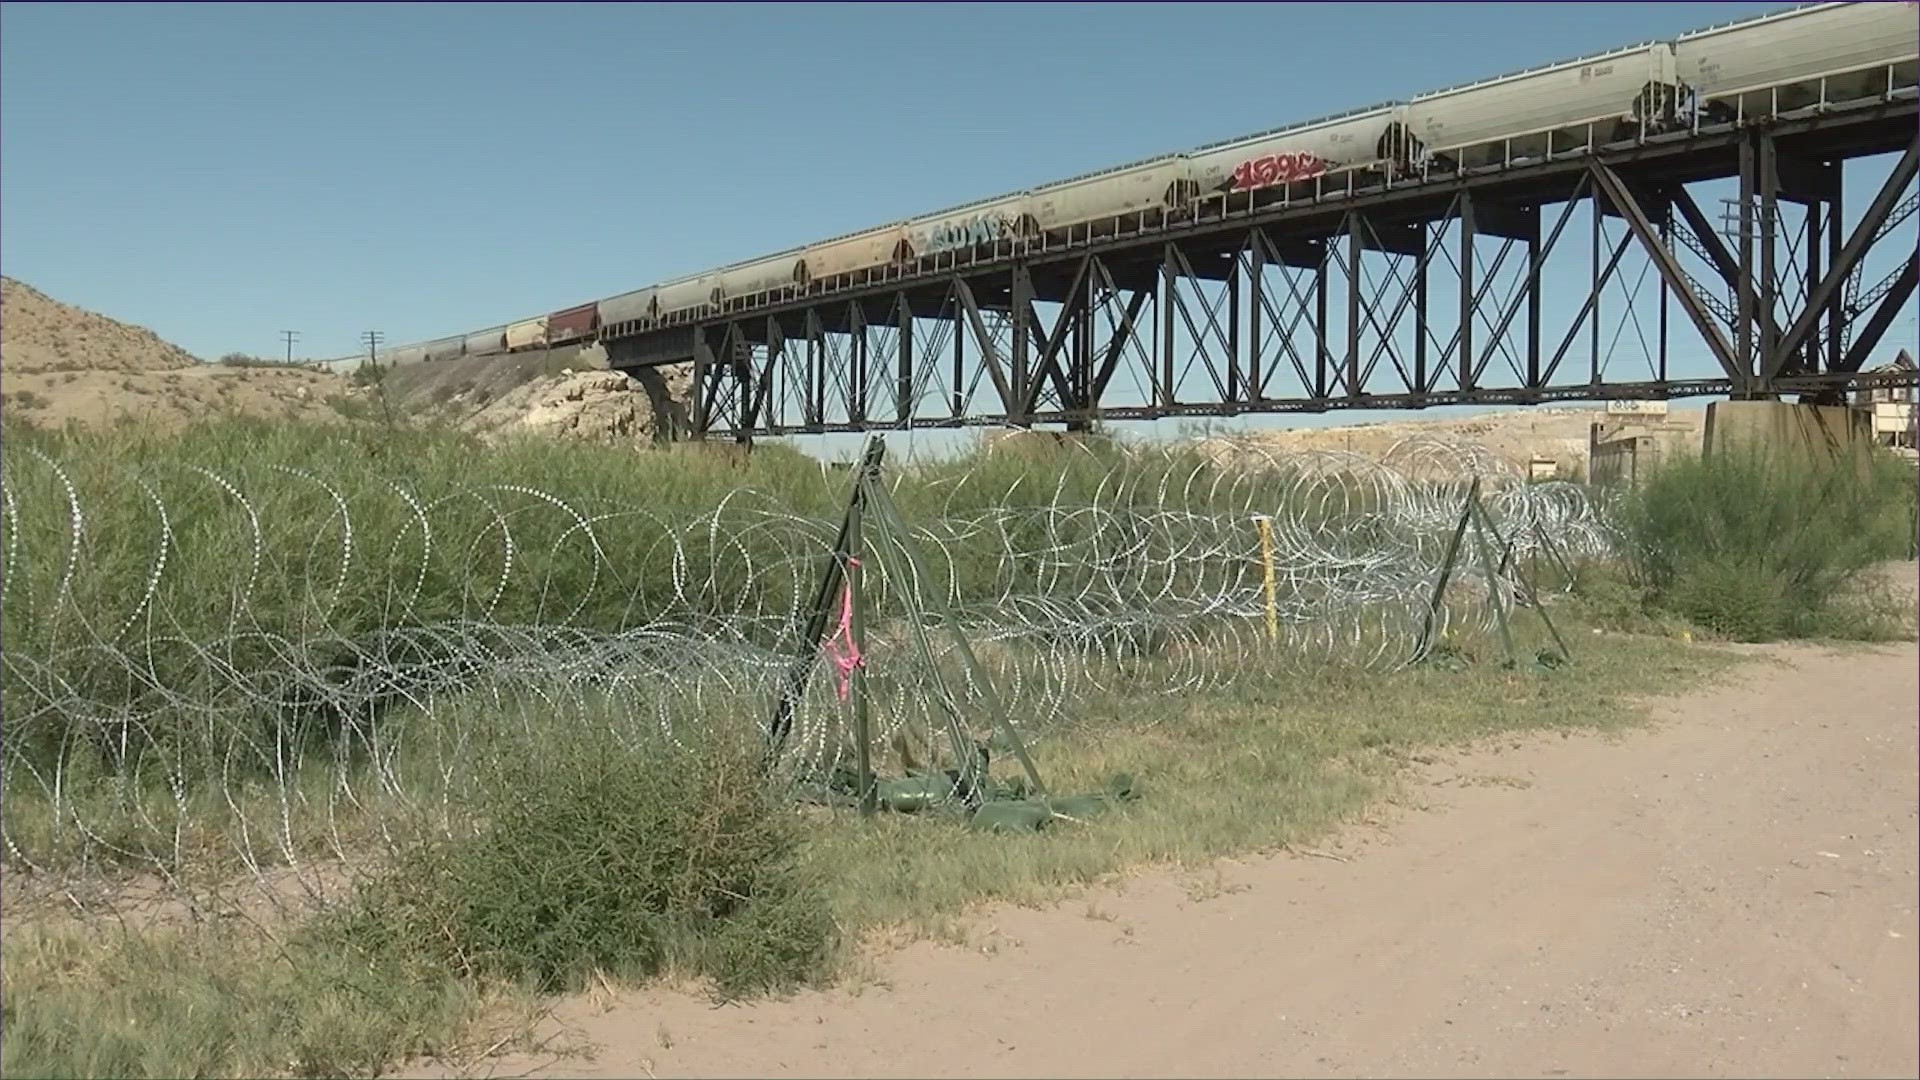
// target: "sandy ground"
[[1731, 893]]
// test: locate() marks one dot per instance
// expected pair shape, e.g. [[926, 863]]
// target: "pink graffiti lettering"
[[1286, 168]]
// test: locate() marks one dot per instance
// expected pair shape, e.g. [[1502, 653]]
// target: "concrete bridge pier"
[[1832, 430]]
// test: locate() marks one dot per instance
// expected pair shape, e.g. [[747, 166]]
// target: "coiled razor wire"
[[271, 668]]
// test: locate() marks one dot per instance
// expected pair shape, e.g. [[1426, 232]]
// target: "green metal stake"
[[1553, 551], [896, 525], [895, 529], [1486, 563], [1529, 591], [862, 732], [1446, 574], [808, 648]]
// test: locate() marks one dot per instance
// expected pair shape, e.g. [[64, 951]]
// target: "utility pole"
[[373, 338], [288, 336]]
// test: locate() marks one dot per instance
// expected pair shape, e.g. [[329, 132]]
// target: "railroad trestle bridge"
[[1402, 295]]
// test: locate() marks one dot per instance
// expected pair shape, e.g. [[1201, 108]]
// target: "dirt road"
[[1730, 894]]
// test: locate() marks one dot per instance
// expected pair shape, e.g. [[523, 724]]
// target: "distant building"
[[1891, 407], [1631, 441], [1902, 362]]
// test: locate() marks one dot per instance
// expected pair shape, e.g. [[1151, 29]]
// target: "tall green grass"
[[285, 545], [211, 562], [1759, 544]]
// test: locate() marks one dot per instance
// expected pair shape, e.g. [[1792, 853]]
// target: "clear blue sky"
[[221, 172]]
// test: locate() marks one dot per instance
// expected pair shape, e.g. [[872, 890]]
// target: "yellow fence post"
[[1265, 524]]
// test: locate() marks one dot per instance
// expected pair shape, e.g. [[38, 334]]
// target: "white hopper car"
[[1805, 58], [1279, 160], [1531, 115], [757, 281], [527, 334], [486, 342], [637, 306], [1128, 198], [683, 299], [851, 259], [1791, 61], [993, 224]]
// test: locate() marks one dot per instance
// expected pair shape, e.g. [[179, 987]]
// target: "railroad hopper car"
[[748, 283], [1124, 199], [851, 259], [573, 324], [1301, 158], [527, 334], [487, 342], [989, 225], [682, 300], [629, 310], [385, 358], [1804, 58], [1532, 115]]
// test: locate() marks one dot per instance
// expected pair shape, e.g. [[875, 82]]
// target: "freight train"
[[1790, 63]]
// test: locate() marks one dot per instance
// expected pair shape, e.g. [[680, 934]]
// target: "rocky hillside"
[[565, 393], [61, 364], [41, 334]]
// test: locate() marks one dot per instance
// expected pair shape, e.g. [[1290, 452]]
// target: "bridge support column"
[[1794, 428], [1820, 313]]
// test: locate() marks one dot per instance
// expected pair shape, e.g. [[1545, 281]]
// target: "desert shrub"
[[353, 408], [243, 360], [598, 855], [1758, 544]]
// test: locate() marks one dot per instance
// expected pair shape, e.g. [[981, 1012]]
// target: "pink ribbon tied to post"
[[845, 659]]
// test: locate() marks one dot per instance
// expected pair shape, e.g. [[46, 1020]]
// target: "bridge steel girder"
[[1454, 291], [1872, 227]]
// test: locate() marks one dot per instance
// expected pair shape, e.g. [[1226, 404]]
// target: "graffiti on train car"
[[968, 232], [1285, 168]]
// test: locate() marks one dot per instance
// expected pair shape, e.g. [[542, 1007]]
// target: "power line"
[[372, 338], [289, 336]]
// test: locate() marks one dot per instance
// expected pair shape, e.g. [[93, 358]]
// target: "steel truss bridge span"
[[1402, 296]]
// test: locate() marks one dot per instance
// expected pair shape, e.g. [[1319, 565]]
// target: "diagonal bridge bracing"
[[1599, 274]]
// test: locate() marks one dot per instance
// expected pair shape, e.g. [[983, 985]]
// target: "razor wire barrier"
[[263, 675]]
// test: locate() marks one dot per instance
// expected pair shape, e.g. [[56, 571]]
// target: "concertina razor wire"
[[279, 668]]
